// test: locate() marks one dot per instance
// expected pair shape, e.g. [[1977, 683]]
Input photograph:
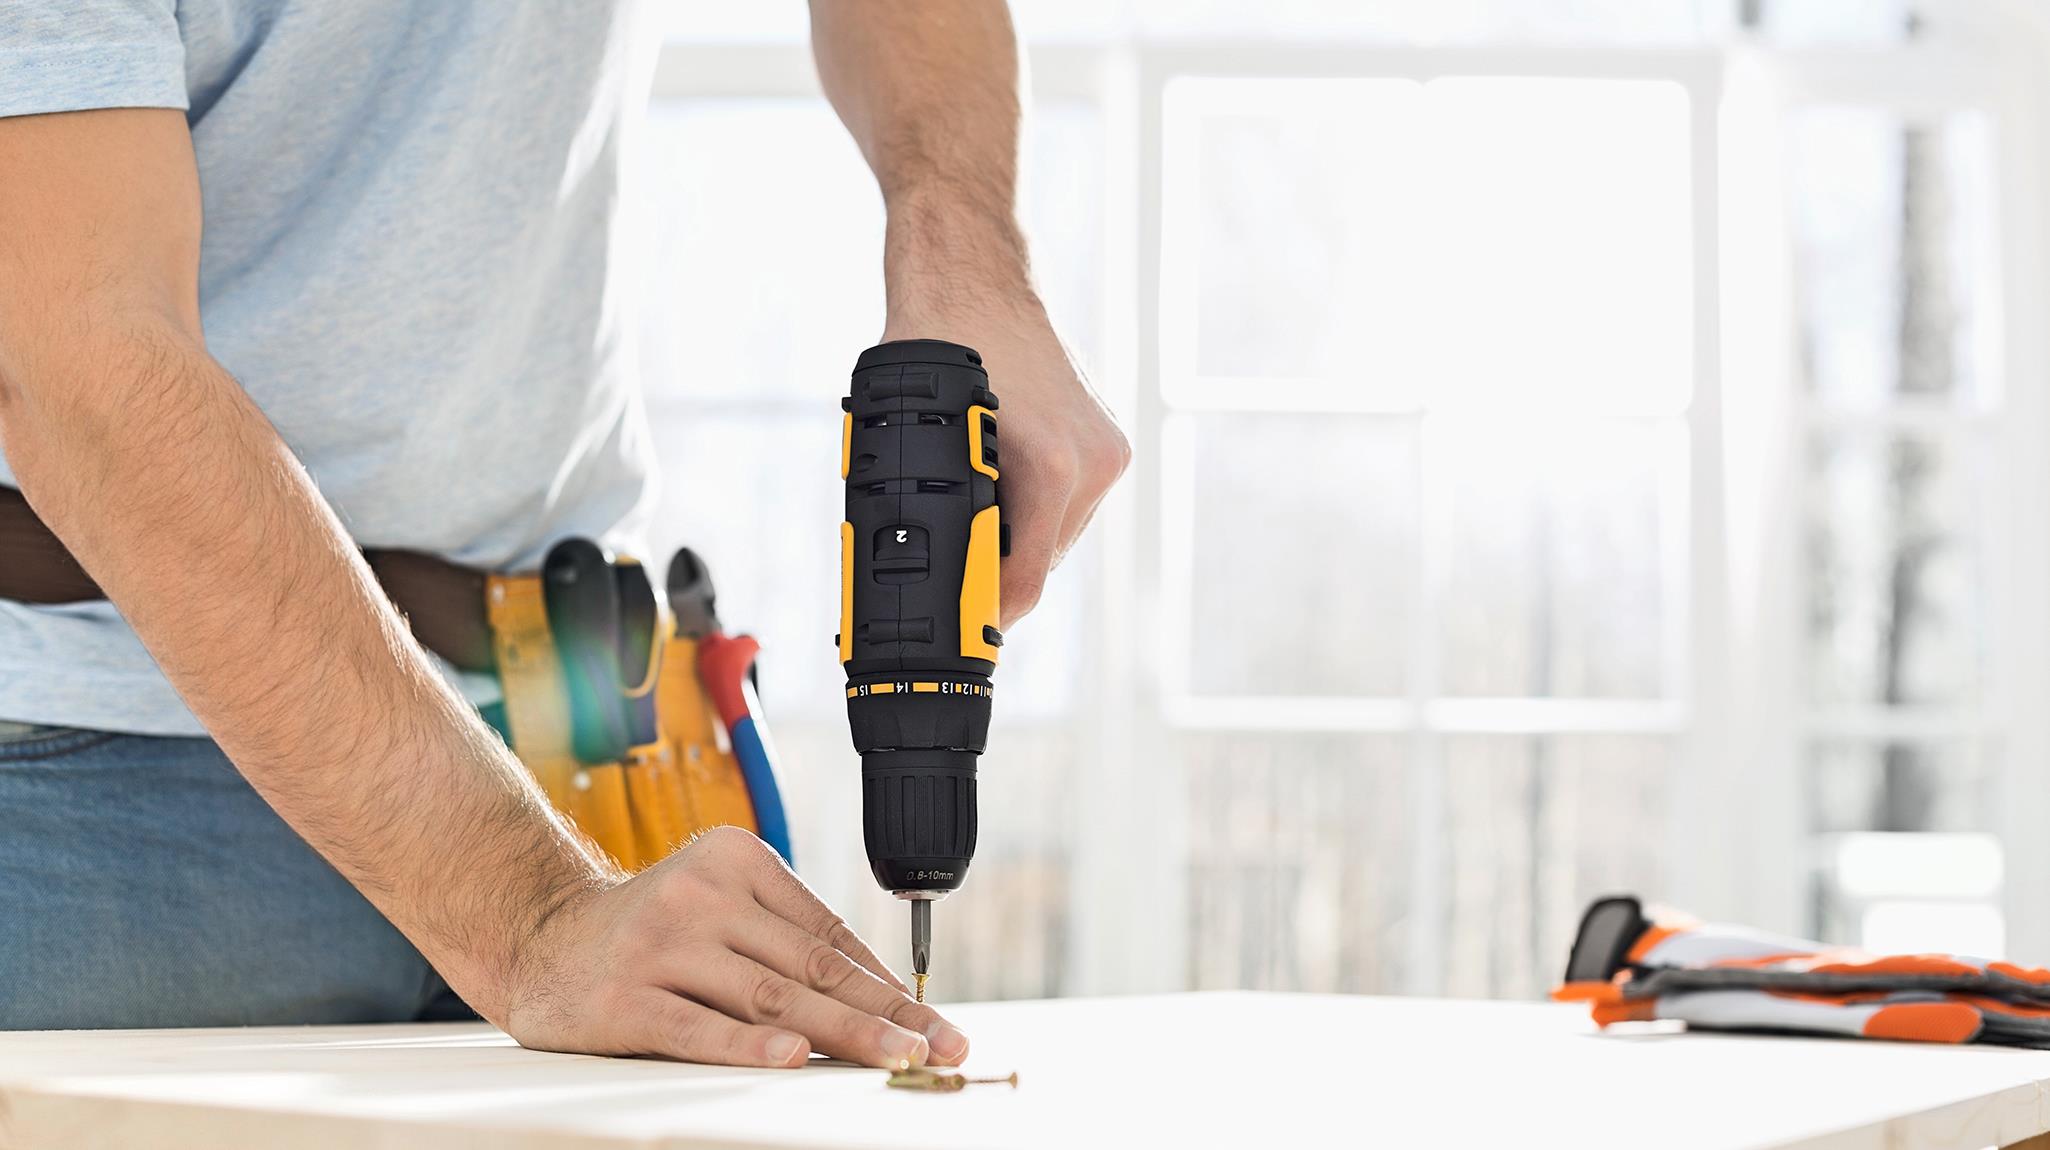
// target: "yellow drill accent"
[[846, 442], [975, 415], [980, 606], [846, 591]]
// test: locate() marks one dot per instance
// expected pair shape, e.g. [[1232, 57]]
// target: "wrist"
[[532, 957], [946, 257], [492, 908]]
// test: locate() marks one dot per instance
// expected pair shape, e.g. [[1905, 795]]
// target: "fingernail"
[[903, 1046], [947, 1042], [785, 1049]]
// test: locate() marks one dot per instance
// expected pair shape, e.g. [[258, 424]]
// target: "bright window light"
[[1973, 929], [1558, 261], [1881, 865], [1475, 243], [1292, 211]]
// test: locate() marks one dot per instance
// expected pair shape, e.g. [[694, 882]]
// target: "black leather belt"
[[443, 601]]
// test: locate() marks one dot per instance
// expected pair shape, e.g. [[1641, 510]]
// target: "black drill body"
[[919, 609]]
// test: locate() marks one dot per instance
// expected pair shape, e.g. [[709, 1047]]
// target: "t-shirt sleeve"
[[74, 55]]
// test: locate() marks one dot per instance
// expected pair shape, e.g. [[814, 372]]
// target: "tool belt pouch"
[[1630, 966], [641, 808], [702, 759]]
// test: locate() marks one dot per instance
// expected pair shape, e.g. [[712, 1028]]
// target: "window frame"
[[1921, 81]]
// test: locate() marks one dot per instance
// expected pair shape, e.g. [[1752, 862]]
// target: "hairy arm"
[[171, 488], [929, 90], [157, 471]]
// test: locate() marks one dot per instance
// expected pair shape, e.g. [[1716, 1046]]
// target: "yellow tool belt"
[[658, 797], [638, 809]]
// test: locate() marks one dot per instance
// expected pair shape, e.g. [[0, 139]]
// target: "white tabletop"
[[1234, 1070]]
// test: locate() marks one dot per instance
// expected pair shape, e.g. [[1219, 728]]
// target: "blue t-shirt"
[[409, 262]]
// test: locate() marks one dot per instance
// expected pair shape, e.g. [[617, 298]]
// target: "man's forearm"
[[929, 90], [179, 498]]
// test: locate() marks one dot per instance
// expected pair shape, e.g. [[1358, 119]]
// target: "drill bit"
[[921, 942]]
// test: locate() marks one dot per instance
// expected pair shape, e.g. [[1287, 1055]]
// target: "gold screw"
[[934, 1081]]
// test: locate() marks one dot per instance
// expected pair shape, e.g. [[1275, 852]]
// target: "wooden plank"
[[1231, 1070]]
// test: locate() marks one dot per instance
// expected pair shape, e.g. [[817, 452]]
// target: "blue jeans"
[[143, 883]]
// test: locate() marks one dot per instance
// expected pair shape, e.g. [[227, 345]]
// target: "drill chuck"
[[919, 558]]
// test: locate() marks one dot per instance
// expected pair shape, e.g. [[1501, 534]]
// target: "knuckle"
[[910, 1015], [720, 839], [826, 969], [1043, 477], [873, 1032], [1107, 463], [738, 1046], [1023, 595], [720, 851], [842, 937], [687, 1033], [748, 850], [615, 1000], [1103, 460], [772, 997], [1063, 475]]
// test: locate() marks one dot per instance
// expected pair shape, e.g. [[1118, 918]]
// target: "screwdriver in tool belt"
[[919, 560]]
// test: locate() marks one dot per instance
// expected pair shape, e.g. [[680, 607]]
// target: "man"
[[283, 278]]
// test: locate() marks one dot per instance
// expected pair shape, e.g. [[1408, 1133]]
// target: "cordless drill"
[[919, 554]]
